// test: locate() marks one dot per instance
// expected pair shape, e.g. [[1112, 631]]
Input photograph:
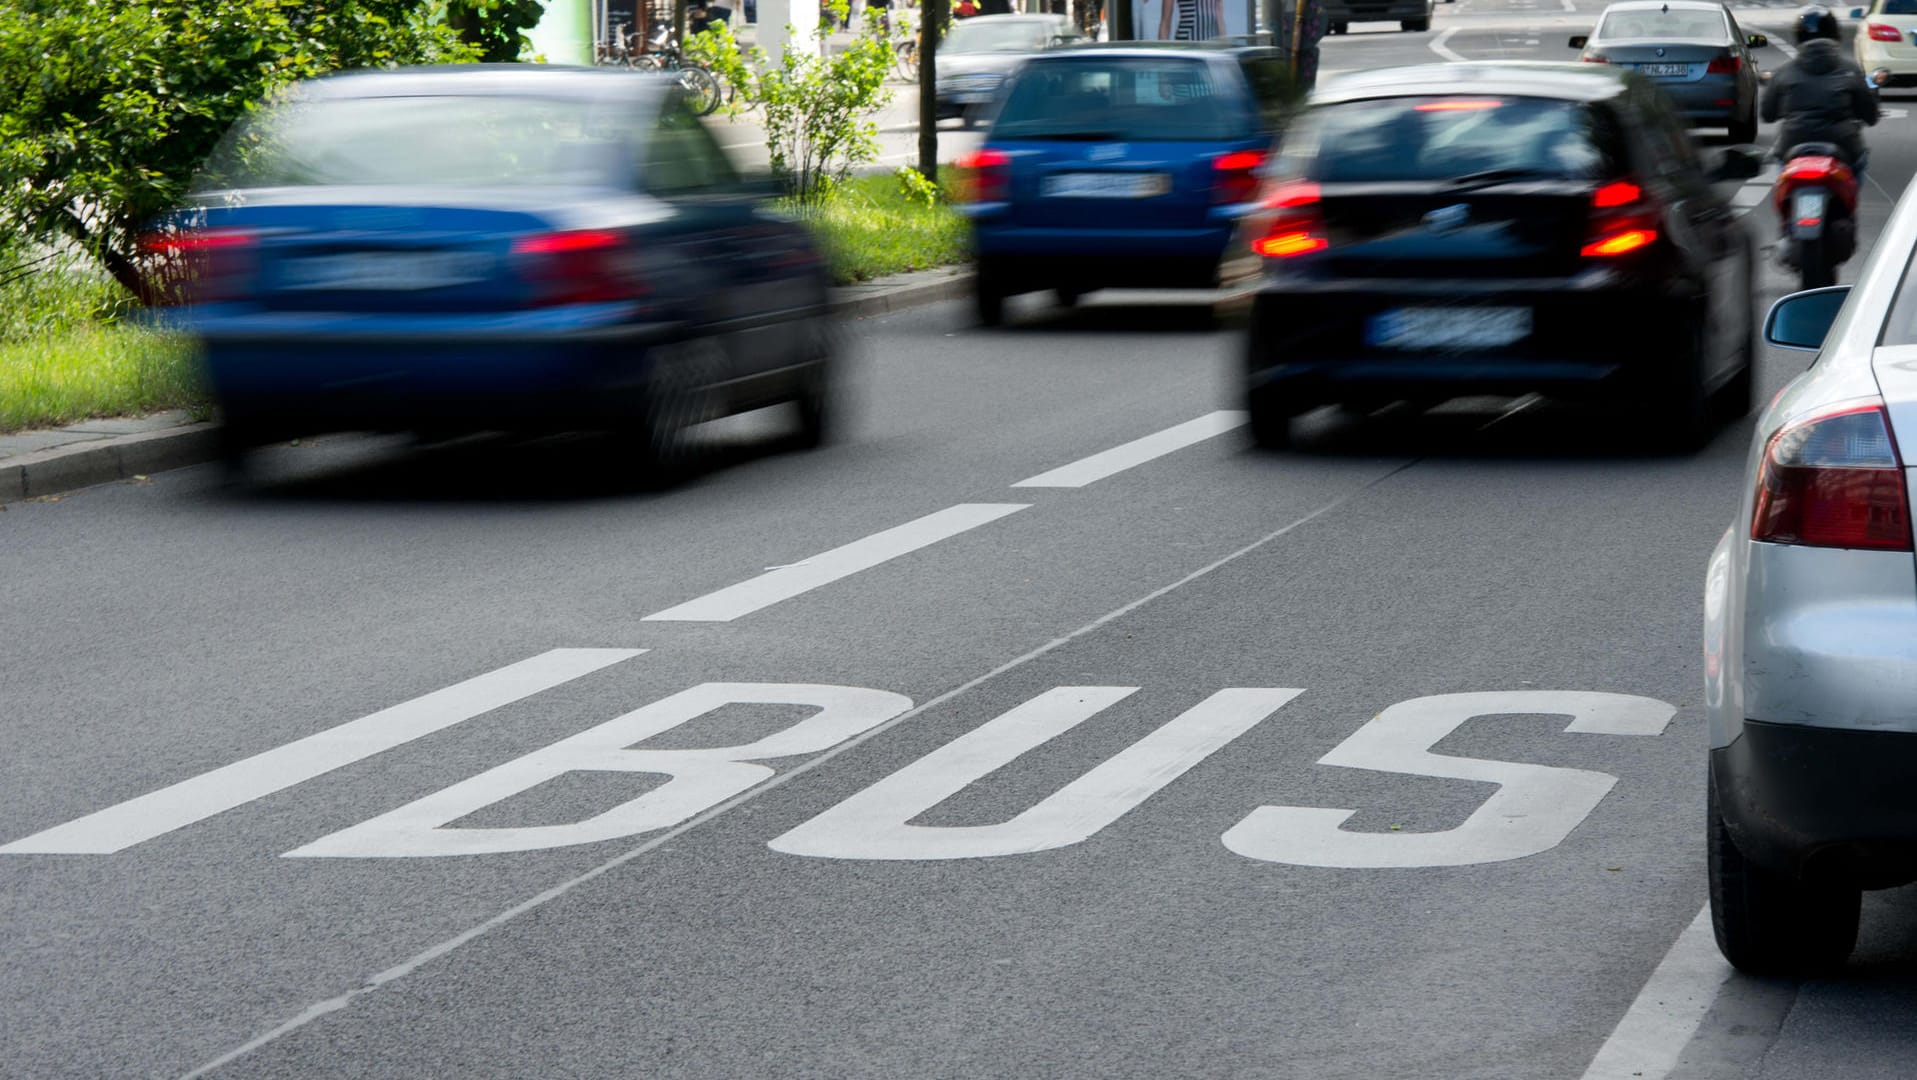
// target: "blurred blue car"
[[1109, 166], [492, 248]]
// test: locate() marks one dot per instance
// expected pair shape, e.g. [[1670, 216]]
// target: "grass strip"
[[871, 227]]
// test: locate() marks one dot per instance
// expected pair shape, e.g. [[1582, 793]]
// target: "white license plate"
[[1807, 206], [1107, 185], [1448, 328], [1664, 70], [385, 271]]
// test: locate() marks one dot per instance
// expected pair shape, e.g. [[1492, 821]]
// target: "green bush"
[[876, 225], [107, 107], [817, 110]]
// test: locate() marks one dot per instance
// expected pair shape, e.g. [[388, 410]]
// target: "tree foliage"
[[108, 107], [496, 28], [817, 109]]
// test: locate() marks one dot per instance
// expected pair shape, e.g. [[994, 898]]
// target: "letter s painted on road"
[[1533, 810]]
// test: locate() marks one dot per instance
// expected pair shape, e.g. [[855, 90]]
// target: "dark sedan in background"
[[1462, 229], [1695, 52], [492, 248]]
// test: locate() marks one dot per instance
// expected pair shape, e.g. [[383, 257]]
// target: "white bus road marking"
[[786, 582], [1106, 463], [1438, 44], [138, 820], [377, 980], [874, 823], [1648, 1042]]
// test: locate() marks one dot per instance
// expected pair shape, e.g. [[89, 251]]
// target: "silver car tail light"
[[1834, 480]]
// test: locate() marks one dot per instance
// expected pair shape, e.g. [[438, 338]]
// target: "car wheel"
[[988, 298], [1416, 24], [1768, 924], [814, 401], [678, 394], [1744, 129], [1683, 411]]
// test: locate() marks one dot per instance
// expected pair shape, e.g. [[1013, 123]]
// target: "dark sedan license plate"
[[1448, 328], [1664, 71]]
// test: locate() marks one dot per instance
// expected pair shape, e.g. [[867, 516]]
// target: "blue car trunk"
[[1117, 186]]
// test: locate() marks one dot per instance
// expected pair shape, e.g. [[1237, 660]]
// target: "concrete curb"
[[67, 468]]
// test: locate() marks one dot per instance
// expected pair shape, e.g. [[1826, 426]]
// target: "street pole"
[[932, 16], [679, 21], [1121, 19]]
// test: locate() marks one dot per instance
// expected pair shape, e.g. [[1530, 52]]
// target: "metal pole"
[[932, 16], [1121, 19], [679, 21]]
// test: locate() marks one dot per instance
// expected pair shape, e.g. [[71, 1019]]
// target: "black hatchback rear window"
[[1451, 136], [1142, 99]]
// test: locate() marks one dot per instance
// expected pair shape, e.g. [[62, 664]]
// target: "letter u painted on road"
[[1533, 810], [700, 778], [873, 824]]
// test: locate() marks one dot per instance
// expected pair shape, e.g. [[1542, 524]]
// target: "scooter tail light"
[[1291, 222], [1834, 480], [582, 266], [988, 175]]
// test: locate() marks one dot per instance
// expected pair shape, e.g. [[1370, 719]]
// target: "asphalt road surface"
[[1038, 727]]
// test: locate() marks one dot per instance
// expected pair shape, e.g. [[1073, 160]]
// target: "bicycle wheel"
[[648, 62], [906, 55], [702, 90]]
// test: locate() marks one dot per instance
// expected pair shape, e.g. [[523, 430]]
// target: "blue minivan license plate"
[[1106, 185]]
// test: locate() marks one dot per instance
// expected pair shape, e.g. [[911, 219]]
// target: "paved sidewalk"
[[34, 464]]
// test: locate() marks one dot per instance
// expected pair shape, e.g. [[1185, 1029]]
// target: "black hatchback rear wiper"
[[1489, 177]]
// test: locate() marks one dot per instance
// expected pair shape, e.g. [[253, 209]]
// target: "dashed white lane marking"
[[1569, 6], [1648, 1041], [137, 820], [1785, 47], [1750, 195], [1438, 44], [1137, 452], [826, 567]]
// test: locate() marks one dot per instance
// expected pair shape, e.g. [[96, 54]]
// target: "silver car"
[[1810, 632], [1692, 49]]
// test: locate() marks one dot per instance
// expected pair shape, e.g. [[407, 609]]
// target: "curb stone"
[[67, 468]]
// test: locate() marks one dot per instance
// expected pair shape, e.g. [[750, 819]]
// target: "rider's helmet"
[[1816, 22]]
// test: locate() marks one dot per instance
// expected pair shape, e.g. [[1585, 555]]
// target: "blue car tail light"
[[200, 266], [1834, 480], [1235, 177], [583, 266]]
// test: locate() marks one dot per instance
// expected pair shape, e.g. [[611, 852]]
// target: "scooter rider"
[[1820, 96]]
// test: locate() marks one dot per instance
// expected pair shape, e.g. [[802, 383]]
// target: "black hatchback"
[[1467, 229]]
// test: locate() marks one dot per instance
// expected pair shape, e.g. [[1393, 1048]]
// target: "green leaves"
[[817, 110], [106, 109]]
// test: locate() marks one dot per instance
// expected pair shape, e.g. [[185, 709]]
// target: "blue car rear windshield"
[[1452, 136], [1122, 99], [427, 141]]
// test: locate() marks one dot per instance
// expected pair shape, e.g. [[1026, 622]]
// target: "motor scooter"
[[1815, 196]]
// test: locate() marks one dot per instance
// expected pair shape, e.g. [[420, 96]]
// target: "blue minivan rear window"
[[1123, 99]]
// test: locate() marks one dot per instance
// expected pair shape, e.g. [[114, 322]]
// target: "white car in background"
[[1888, 39], [1810, 633]]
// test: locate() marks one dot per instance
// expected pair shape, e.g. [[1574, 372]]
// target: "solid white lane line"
[[1750, 195], [1569, 6], [1119, 458], [407, 967], [1438, 43], [137, 820], [1648, 1041], [826, 567]]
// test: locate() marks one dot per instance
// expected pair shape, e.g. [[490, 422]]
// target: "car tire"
[[814, 401], [1270, 418], [1744, 129], [988, 298], [1768, 924], [678, 394], [1416, 24], [1068, 297], [1682, 413]]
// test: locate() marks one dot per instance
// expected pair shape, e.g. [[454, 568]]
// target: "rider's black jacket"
[[1821, 97]]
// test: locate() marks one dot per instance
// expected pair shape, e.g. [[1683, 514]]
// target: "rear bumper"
[[280, 374], [1313, 343], [1822, 804], [1139, 258], [1709, 101]]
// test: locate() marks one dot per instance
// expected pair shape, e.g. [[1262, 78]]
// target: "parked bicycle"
[[662, 53]]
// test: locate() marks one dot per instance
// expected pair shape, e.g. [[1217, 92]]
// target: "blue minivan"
[[1120, 166]]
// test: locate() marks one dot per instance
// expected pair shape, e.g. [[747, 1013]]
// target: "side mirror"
[[1757, 41], [1578, 41], [1800, 321], [1856, 13], [1738, 163]]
